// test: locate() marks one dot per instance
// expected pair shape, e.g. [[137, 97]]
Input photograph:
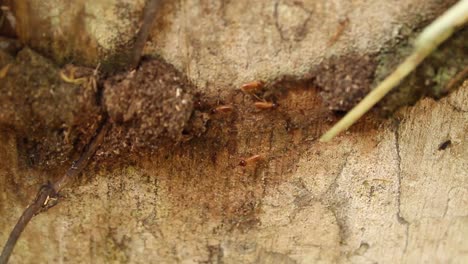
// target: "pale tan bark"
[[382, 192]]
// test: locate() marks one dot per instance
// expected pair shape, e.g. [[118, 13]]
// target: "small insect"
[[222, 109], [71, 77], [250, 160], [252, 87], [444, 145], [265, 105], [341, 27], [4, 71]]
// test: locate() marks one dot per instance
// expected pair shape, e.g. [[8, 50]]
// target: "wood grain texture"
[[383, 192]]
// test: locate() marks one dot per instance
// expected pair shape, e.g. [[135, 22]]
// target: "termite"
[[4, 71], [71, 78], [222, 109], [250, 160], [341, 27], [252, 87], [265, 105]]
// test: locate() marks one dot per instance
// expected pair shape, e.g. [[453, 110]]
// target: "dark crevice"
[[456, 108]]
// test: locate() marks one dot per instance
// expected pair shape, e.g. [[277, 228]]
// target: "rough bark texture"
[[390, 190]]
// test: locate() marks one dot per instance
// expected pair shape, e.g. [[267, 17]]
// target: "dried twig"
[[142, 35], [432, 36], [44, 193], [81, 163], [50, 191], [457, 80]]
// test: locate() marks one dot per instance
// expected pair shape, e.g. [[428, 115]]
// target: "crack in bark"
[[447, 204], [341, 226], [277, 25], [301, 32], [267, 256], [456, 108], [333, 208], [400, 218], [334, 184]]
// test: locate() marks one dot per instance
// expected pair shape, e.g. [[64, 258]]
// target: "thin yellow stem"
[[432, 36]]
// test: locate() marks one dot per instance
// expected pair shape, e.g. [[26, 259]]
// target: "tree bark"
[[392, 189]]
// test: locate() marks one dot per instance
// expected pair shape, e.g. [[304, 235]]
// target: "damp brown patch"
[[164, 125], [51, 117], [55, 112], [155, 107], [203, 178]]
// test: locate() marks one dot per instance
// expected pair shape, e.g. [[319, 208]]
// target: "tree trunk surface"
[[393, 189]]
